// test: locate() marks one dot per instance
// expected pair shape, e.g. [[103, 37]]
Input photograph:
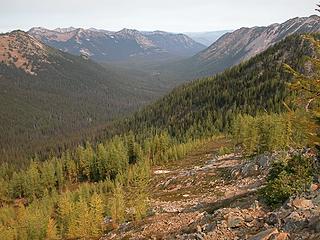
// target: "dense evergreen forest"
[[257, 85], [65, 100], [68, 196]]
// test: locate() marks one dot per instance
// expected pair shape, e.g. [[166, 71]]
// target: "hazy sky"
[[168, 15]]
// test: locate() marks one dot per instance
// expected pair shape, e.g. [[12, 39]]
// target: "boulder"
[[314, 187], [234, 221], [250, 169], [314, 223], [316, 200], [302, 203], [248, 218], [263, 161], [294, 222], [279, 236], [264, 235], [273, 219]]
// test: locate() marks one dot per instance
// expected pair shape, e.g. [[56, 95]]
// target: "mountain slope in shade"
[[242, 44], [127, 44], [46, 93]]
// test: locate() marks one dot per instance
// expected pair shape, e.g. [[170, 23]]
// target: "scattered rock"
[[161, 172], [166, 184]]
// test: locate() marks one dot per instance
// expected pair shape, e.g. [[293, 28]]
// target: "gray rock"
[[294, 222], [234, 221], [250, 169], [273, 219], [198, 236], [314, 223], [208, 227], [248, 218], [263, 161]]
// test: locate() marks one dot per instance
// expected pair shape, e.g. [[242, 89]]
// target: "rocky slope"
[[242, 44], [22, 51], [213, 196], [102, 45]]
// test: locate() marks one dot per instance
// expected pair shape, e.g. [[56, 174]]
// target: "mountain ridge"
[[235, 47], [103, 45]]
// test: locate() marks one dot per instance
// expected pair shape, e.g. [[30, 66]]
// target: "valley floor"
[[207, 196]]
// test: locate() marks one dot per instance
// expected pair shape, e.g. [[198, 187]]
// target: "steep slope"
[[46, 93], [127, 44], [242, 44], [211, 103]]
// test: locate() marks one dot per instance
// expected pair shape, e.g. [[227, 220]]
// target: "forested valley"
[[260, 105]]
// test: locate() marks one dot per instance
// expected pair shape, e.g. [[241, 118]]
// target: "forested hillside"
[[48, 96], [208, 104]]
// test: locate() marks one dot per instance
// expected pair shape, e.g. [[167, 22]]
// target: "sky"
[[167, 15]]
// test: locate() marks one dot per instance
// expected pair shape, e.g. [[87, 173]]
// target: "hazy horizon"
[[178, 16]]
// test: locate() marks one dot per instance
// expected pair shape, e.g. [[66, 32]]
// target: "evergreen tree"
[[96, 215], [117, 204]]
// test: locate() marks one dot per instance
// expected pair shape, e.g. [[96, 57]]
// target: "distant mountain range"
[[46, 93], [240, 45], [127, 44], [207, 38]]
